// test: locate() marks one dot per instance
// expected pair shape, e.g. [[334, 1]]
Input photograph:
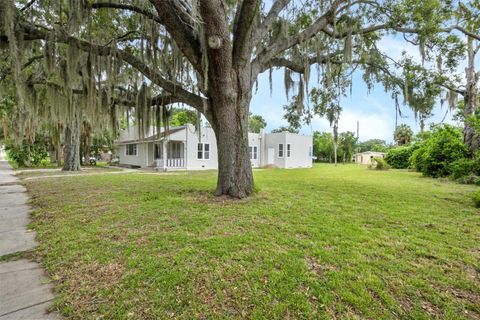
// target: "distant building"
[[183, 148], [367, 156]]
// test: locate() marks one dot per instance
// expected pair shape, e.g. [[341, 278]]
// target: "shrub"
[[469, 179], [476, 198], [398, 158], [464, 167], [20, 154], [378, 163], [435, 155]]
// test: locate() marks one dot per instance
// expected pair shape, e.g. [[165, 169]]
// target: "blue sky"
[[375, 110]]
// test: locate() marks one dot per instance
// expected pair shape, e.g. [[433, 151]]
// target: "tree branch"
[[244, 27], [175, 89], [179, 24], [267, 23], [28, 5], [298, 65], [280, 46], [132, 8], [168, 16]]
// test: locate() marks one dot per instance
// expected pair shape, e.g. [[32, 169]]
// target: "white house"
[[367, 156], [183, 148]]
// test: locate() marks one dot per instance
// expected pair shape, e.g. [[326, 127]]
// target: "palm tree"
[[403, 134]]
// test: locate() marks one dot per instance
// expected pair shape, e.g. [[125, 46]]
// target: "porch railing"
[[171, 163]]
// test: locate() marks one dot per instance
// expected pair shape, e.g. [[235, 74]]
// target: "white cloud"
[[372, 126]]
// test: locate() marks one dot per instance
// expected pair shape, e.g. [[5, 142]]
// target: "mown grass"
[[327, 242]]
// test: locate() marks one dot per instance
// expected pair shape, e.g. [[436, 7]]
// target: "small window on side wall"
[[131, 149], [203, 151], [253, 151], [280, 150], [288, 150]]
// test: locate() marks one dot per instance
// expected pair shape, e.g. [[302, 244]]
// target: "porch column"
[[164, 153], [146, 157], [185, 154]]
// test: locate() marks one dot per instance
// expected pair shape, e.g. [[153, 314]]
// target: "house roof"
[[370, 152], [155, 137]]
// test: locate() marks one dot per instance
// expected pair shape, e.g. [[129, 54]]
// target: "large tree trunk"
[[235, 176], [58, 139], [52, 152], [470, 136], [72, 146]]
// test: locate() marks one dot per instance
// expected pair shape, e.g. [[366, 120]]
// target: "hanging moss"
[[452, 99], [288, 82], [347, 50]]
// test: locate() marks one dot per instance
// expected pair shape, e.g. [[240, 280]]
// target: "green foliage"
[[403, 134], [378, 163], [435, 155], [399, 158], [376, 145], [464, 167], [256, 123], [28, 154], [346, 145], [323, 146], [102, 143], [181, 117], [476, 198]]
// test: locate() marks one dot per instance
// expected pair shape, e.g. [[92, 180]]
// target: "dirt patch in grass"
[[318, 268], [86, 281]]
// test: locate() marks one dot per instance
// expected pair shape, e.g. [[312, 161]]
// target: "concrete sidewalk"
[[24, 289]]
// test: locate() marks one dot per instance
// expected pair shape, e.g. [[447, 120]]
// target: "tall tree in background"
[[348, 141], [403, 135], [323, 146], [206, 54], [256, 123]]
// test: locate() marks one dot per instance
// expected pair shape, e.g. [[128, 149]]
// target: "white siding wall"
[[138, 160], [299, 154], [207, 136], [272, 140]]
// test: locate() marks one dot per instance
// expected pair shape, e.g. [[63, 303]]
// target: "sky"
[[375, 110]]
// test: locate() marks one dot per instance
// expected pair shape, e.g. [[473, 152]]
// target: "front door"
[[271, 156]]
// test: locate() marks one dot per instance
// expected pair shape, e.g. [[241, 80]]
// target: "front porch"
[[169, 155]]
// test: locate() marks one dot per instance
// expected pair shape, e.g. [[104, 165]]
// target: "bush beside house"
[[435, 155], [438, 153], [399, 158]]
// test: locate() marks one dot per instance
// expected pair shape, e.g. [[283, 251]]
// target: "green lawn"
[[327, 242]]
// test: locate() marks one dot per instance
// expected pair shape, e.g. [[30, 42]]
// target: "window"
[[131, 149], [288, 150], [310, 151], [175, 150], [253, 152], [280, 150], [158, 151], [203, 151]]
